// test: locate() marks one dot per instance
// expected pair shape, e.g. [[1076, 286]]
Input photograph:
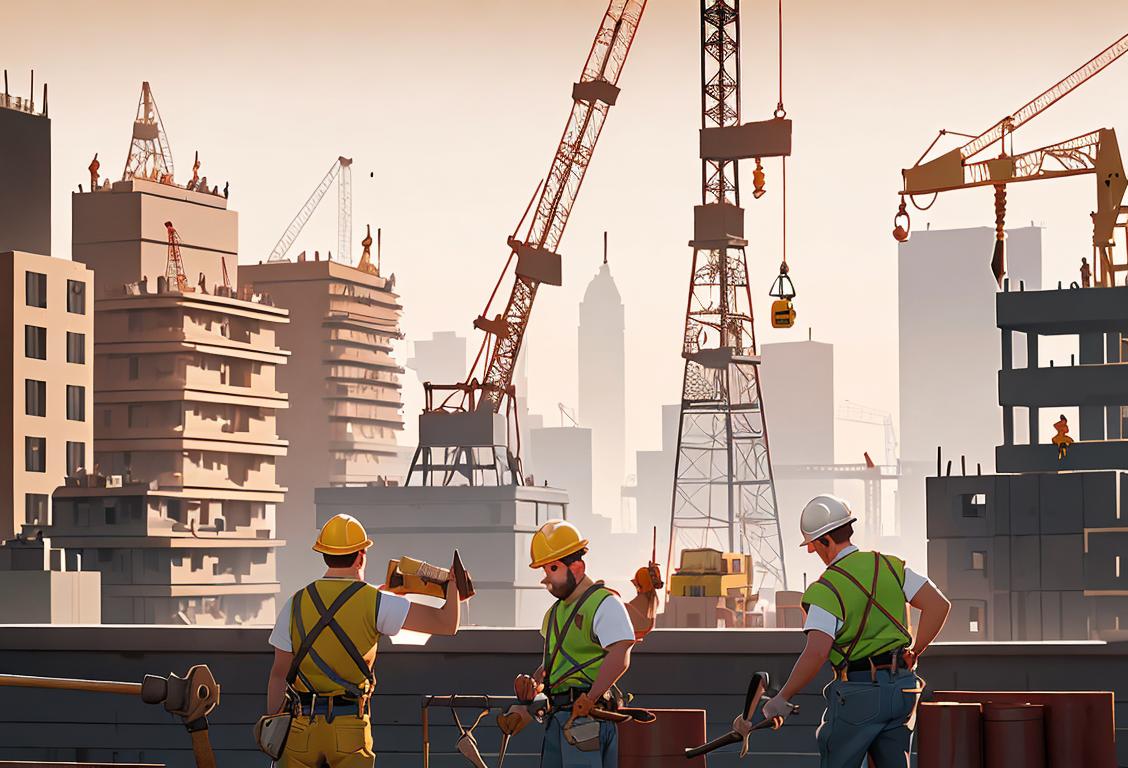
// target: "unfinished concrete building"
[[343, 385], [180, 515], [1036, 554], [25, 174], [48, 379]]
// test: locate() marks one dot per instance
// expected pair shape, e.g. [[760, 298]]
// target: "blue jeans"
[[558, 753], [867, 717]]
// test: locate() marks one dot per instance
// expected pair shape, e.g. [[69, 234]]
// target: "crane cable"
[[780, 112]]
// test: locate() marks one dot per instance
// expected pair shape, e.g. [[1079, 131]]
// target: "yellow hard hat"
[[554, 540], [342, 535]]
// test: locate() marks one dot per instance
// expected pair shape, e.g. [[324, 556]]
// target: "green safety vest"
[[865, 591], [572, 654]]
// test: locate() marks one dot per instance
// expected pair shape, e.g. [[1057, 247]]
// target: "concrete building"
[[344, 390], [798, 383], [440, 359], [1036, 554], [602, 389], [48, 378], [652, 493], [180, 518], [25, 176], [948, 352], [491, 526], [38, 587]]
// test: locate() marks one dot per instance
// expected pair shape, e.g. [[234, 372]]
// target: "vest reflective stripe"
[[868, 627], [572, 655], [329, 669]]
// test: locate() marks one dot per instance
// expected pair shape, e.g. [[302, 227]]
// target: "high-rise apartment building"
[[25, 175]]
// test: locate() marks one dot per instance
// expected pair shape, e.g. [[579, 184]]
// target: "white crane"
[[342, 167], [861, 414]]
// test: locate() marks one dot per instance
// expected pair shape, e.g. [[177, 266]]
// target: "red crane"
[[467, 432], [174, 267]]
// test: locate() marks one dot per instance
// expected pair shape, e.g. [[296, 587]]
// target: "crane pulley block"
[[763, 138], [718, 225], [537, 264], [592, 91]]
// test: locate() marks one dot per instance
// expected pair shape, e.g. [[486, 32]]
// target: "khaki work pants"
[[315, 742]]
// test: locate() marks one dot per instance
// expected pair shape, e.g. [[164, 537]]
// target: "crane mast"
[[342, 168], [467, 432]]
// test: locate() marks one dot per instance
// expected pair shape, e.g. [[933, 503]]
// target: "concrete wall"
[[25, 182], [50, 597], [673, 668]]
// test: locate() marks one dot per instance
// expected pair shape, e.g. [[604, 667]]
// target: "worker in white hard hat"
[[325, 649], [858, 620]]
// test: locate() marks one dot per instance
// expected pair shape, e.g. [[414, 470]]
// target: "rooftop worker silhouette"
[[332, 685], [1062, 439], [1086, 273], [588, 634], [856, 618]]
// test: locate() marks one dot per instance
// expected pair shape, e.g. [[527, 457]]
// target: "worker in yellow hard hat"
[[588, 635], [325, 647]]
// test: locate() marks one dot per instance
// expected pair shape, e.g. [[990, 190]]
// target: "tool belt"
[[312, 704], [890, 660], [565, 700]]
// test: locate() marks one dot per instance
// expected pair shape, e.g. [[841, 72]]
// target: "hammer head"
[[190, 697]]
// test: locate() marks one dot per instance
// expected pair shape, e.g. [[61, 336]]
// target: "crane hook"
[[901, 232], [783, 291], [758, 180]]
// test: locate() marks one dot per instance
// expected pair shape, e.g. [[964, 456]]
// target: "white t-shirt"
[[822, 620], [612, 623], [389, 619]]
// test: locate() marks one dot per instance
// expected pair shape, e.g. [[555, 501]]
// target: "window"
[[107, 417], [76, 347], [36, 289], [737, 565], [978, 561], [134, 368], [974, 504], [35, 342], [35, 508], [76, 457], [35, 397], [695, 590], [974, 620], [1118, 566], [35, 454], [76, 297], [76, 402]]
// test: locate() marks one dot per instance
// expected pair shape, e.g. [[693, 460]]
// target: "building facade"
[[1037, 554], [47, 318], [180, 515], [603, 390], [344, 389], [25, 176]]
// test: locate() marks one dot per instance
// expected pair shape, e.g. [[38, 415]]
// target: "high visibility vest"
[[572, 654], [336, 666], [866, 592]]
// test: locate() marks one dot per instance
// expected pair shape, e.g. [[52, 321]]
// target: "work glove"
[[526, 688], [582, 706], [777, 708]]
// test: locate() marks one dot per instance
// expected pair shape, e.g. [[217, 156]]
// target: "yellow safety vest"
[[344, 650]]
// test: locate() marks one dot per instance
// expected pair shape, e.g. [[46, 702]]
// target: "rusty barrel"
[[1014, 736], [950, 735], [1079, 725], [662, 743]]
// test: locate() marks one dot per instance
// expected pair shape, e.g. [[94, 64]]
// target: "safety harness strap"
[[342, 636], [325, 619], [555, 639], [871, 600]]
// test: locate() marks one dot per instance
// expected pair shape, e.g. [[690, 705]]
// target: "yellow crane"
[[1094, 153]]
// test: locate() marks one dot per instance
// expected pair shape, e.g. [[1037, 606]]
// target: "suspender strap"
[[307, 639], [871, 600], [842, 606], [556, 638], [346, 641]]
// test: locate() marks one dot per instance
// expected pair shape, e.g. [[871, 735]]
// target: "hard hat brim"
[[555, 555], [820, 532], [326, 549]]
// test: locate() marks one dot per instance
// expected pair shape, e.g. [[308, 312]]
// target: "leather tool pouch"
[[583, 736], [271, 732]]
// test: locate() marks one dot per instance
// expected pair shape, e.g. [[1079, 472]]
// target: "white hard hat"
[[822, 515]]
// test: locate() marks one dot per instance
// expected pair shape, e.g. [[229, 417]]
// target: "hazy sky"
[[455, 106]]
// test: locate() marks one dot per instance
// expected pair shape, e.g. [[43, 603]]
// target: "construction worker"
[[856, 618], [332, 627], [588, 636], [1062, 439], [1086, 273]]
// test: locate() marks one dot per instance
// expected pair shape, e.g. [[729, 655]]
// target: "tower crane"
[[861, 414], [341, 167], [174, 267], [149, 154], [1095, 152], [465, 431]]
